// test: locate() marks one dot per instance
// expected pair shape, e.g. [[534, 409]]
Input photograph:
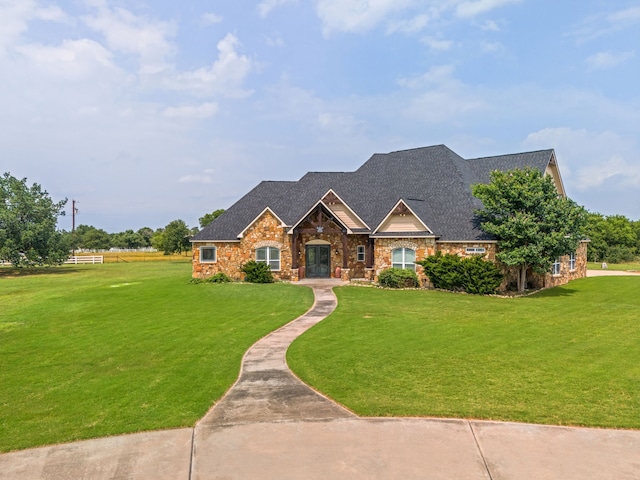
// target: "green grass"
[[88, 351], [565, 356], [614, 266]]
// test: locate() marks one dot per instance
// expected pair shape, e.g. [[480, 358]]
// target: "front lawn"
[[615, 266], [565, 356], [94, 350]]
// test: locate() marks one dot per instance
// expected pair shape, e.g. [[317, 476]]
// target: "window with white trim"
[[476, 250], [270, 256], [572, 261], [208, 254], [555, 268], [360, 253], [403, 258]]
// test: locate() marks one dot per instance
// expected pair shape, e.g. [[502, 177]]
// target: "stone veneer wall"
[[384, 246], [265, 232], [566, 275], [461, 249]]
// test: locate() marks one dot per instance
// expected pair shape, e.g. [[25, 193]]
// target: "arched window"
[[403, 258], [270, 256]]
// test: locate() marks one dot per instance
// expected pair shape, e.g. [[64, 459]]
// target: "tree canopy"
[[531, 221], [613, 238], [28, 219], [207, 218], [174, 238]]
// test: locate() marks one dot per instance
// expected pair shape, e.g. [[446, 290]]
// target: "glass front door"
[[318, 261]]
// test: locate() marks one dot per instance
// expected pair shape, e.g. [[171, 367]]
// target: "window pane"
[[396, 255], [274, 264], [208, 254], [261, 254], [396, 265], [409, 256], [274, 253]]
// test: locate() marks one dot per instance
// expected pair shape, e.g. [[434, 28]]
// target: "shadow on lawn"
[[8, 272], [556, 292]]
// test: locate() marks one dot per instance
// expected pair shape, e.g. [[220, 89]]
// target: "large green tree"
[[28, 219], [174, 238], [532, 223], [612, 238], [92, 238], [207, 218]]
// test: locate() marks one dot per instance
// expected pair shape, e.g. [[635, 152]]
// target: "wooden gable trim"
[[553, 170], [401, 208], [282, 224], [332, 197], [328, 211]]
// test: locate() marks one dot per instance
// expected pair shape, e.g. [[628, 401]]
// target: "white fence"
[[86, 259]]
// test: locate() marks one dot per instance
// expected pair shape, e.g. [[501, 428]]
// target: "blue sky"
[[145, 112]]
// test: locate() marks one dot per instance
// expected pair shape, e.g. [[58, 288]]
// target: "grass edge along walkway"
[[565, 356], [98, 350]]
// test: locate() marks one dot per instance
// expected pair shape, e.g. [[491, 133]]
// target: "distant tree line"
[[614, 238], [172, 238]]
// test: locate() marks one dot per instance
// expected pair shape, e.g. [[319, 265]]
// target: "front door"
[[318, 261]]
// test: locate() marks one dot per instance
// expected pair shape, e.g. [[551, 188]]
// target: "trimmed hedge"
[[398, 278], [471, 274]]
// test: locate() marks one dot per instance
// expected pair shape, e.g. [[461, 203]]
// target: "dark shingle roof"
[[434, 182]]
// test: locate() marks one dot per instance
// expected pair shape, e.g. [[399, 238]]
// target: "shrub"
[[398, 278], [620, 254], [471, 275], [257, 272], [444, 271], [480, 276], [219, 277]]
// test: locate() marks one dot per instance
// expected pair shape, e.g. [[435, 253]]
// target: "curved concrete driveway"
[[270, 425]]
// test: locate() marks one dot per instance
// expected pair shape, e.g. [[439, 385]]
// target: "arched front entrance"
[[318, 261]]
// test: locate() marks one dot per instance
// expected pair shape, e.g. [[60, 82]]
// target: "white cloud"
[[411, 25], [473, 8], [490, 26], [210, 18], [266, 6], [205, 110], [128, 33], [441, 97], [595, 175], [356, 15], [588, 159], [606, 60], [204, 178], [15, 16], [436, 44], [596, 26], [439, 74], [275, 41], [74, 60], [491, 47], [224, 77]]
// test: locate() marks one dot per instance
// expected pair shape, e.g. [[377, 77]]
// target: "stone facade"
[[267, 231], [384, 247], [566, 273]]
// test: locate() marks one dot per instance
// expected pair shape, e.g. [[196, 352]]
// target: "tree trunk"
[[522, 277]]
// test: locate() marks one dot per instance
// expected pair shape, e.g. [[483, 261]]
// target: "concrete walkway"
[[610, 273], [270, 425]]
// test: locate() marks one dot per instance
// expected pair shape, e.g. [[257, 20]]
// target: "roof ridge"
[[415, 148], [512, 154]]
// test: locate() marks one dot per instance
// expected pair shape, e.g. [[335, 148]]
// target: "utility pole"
[[74, 210]]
